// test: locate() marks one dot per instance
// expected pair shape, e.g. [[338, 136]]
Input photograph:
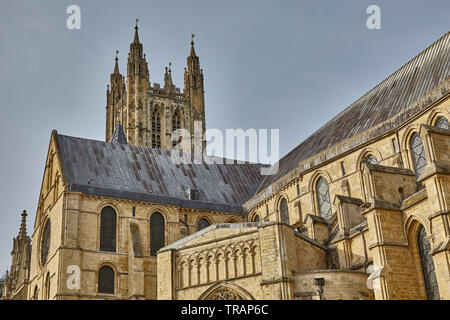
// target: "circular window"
[[45, 243]]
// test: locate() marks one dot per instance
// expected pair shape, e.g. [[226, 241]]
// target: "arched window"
[[106, 280], [256, 218], [418, 154], [202, 224], [108, 223], [323, 198], [284, 211], [176, 124], [427, 263], [157, 236], [371, 159], [45, 242], [442, 122], [156, 129]]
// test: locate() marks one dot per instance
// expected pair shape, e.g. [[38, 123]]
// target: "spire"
[[168, 83], [118, 135], [136, 36], [192, 46], [193, 75], [23, 225], [116, 66]]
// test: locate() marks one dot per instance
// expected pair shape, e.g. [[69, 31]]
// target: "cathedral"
[[360, 210]]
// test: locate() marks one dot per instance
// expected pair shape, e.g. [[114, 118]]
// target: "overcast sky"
[[291, 65]]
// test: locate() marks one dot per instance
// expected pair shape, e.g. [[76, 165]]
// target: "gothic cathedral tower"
[[149, 113]]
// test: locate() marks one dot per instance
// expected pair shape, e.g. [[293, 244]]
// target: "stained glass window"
[[442, 122], [323, 198], [418, 154], [202, 224], [284, 211], [426, 260], [106, 280], [45, 242], [157, 235], [108, 222]]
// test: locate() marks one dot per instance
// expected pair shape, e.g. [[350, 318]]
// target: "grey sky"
[[291, 65]]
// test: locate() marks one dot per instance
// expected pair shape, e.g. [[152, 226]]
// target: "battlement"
[[157, 90]]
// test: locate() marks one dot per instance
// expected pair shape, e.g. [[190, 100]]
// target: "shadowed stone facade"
[[359, 210]]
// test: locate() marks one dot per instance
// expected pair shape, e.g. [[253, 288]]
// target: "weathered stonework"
[[388, 236]]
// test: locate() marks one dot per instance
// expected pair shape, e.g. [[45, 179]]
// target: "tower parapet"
[[150, 113]]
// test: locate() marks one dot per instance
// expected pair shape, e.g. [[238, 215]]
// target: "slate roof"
[[145, 174], [118, 135], [387, 99]]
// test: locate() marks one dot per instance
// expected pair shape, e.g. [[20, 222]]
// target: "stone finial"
[[23, 225]]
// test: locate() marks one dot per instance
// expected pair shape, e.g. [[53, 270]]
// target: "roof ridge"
[[167, 151]]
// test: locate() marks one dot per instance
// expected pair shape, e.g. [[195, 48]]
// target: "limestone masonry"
[[359, 210]]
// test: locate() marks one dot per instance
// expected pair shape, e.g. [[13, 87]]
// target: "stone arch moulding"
[[115, 270], [405, 144], [204, 216], [436, 113], [231, 220], [240, 292], [404, 140], [280, 195], [113, 204], [313, 189], [413, 223], [107, 263], [366, 151], [160, 209], [316, 176]]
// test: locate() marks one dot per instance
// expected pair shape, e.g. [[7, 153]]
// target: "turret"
[[169, 87], [138, 82], [115, 92], [194, 90], [16, 281]]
